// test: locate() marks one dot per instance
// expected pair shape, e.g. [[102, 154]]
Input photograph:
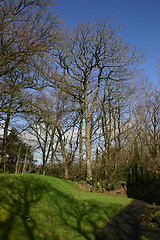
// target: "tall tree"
[[42, 124], [152, 122], [89, 55], [27, 34]]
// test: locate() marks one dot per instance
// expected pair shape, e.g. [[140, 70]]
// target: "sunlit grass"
[[41, 207]]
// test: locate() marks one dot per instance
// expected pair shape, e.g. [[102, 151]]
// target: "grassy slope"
[[41, 207]]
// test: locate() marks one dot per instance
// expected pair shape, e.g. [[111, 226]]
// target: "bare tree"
[[27, 30], [27, 33], [152, 123], [143, 137], [68, 145], [89, 55], [42, 125]]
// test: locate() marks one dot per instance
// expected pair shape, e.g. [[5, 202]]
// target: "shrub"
[[157, 217]]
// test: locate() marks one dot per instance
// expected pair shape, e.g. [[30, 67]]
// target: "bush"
[[110, 186], [157, 217], [107, 186]]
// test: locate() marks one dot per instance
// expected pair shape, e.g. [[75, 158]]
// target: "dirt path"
[[126, 225]]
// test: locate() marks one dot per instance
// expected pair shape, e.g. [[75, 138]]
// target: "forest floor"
[[118, 191]]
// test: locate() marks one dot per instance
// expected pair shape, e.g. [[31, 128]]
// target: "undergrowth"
[[151, 217]]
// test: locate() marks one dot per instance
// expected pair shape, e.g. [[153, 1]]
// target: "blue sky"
[[140, 21]]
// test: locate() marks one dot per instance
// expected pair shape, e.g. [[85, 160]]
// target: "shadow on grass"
[[16, 197], [60, 217], [84, 218]]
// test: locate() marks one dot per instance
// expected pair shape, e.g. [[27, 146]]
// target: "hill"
[[36, 207]]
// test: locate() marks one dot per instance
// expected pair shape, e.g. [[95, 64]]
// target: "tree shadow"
[[20, 195], [16, 197], [85, 221]]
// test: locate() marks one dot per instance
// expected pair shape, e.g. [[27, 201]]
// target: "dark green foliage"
[[101, 185], [151, 217], [110, 186], [143, 185], [157, 217], [17, 150]]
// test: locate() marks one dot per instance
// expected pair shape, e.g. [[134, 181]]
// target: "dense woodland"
[[74, 103]]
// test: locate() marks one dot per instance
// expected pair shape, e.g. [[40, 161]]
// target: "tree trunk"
[[109, 128], [66, 170], [4, 145], [87, 134], [4, 141], [119, 128], [81, 142], [25, 161], [18, 159], [115, 141], [44, 163], [88, 150]]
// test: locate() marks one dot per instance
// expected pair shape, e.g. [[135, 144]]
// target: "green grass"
[[42, 207]]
